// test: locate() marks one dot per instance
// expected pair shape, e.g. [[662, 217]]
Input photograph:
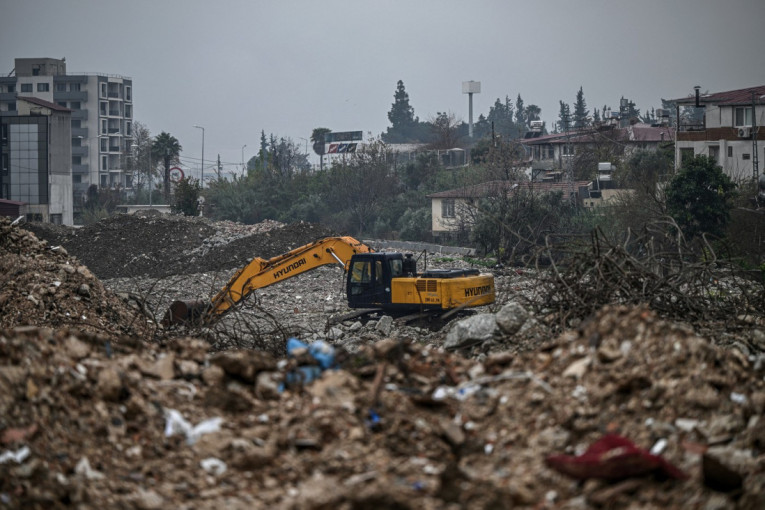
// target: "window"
[[26, 87], [104, 181], [43, 87], [102, 108], [104, 145], [714, 152], [730, 151], [103, 90], [104, 165], [76, 123], [11, 88], [128, 111], [76, 160], [396, 268], [743, 116], [74, 87], [60, 87], [36, 71], [74, 105], [128, 93], [129, 129], [61, 103], [104, 127], [685, 155], [746, 156], [567, 149], [447, 208]]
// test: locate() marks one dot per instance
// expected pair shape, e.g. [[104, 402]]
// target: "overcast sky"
[[237, 67]]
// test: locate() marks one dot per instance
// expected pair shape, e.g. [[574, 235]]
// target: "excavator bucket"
[[185, 312]]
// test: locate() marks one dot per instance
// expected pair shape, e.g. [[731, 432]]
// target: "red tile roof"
[[44, 103], [729, 98], [486, 189]]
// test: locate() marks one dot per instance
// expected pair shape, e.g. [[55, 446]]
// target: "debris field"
[[99, 408]]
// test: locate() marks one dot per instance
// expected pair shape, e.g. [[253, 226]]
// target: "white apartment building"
[[102, 117], [726, 126]]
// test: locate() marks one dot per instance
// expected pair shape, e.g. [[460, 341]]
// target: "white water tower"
[[470, 88]]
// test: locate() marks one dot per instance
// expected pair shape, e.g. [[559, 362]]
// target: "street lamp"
[[151, 177], [243, 169], [202, 178], [306, 143]]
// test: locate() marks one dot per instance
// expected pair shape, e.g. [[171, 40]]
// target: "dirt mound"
[[158, 245], [43, 286], [400, 426]]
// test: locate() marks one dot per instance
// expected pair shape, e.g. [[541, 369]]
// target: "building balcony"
[[7, 96], [114, 113], [83, 132], [80, 169], [81, 96], [80, 114], [82, 150]]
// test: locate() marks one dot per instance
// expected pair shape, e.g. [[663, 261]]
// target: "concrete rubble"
[[100, 408]]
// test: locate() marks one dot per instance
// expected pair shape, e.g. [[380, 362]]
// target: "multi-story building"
[[35, 160], [101, 118], [725, 126]]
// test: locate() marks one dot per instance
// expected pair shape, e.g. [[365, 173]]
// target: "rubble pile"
[[158, 245], [42, 286], [374, 415], [398, 425]]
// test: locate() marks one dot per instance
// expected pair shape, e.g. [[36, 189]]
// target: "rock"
[[384, 325], [473, 330], [511, 317], [109, 384]]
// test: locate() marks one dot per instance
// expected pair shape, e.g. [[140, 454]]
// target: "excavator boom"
[[259, 273]]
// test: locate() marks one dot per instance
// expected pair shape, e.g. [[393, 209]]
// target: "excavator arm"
[[259, 273]]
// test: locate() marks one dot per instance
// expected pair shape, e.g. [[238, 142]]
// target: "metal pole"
[[243, 169], [755, 158], [470, 115], [151, 177], [202, 174]]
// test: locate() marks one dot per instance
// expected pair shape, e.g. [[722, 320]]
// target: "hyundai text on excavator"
[[374, 280]]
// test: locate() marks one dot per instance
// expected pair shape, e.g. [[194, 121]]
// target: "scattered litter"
[[83, 469], [18, 456], [738, 398], [612, 458], [177, 424], [213, 466]]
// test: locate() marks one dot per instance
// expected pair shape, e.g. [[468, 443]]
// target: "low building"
[[453, 211], [552, 153], [726, 127], [36, 156]]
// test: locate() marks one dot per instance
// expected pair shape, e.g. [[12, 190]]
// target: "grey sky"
[[237, 67]]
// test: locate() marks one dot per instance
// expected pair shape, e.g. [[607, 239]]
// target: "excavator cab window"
[[361, 274], [396, 268]]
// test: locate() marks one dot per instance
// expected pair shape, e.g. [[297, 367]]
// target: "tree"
[[520, 113], [317, 139], [444, 131], [167, 149], [580, 110], [141, 162], [362, 184], [698, 197], [564, 117], [401, 116], [185, 200], [501, 115]]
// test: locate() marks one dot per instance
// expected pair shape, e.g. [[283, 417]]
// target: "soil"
[[101, 407]]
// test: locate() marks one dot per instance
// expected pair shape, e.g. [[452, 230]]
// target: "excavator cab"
[[369, 279]]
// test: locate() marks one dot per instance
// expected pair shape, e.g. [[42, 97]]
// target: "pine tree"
[[564, 117], [401, 117], [580, 110], [520, 112]]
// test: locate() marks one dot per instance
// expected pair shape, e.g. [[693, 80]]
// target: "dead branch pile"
[[657, 266]]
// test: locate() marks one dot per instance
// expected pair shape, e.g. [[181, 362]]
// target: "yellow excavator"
[[375, 280]]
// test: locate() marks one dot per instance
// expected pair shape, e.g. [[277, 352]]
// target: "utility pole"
[[755, 156]]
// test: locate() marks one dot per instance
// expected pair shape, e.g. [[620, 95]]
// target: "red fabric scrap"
[[613, 457]]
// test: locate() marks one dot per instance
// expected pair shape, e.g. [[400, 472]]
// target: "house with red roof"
[[725, 126]]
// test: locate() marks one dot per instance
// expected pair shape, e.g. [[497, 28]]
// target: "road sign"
[[176, 174]]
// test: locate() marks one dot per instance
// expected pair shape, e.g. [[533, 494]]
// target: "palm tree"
[[167, 149]]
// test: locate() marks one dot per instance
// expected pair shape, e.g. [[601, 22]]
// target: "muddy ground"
[[100, 407]]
